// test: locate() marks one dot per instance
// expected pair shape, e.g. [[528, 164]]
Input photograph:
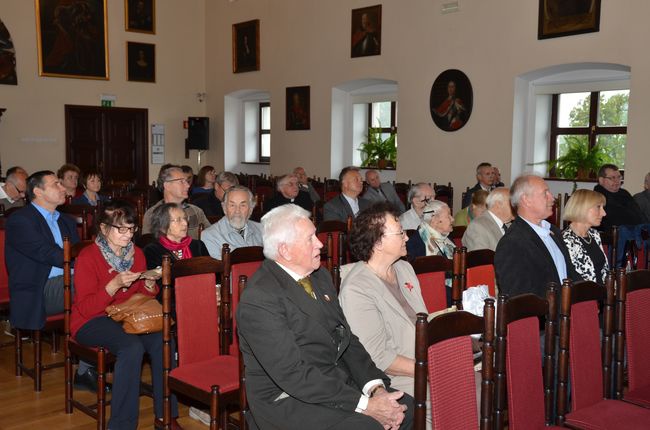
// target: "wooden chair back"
[[337, 231], [580, 344], [241, 262], [456, 235], [444, 356], [445, 193], [526, 394]]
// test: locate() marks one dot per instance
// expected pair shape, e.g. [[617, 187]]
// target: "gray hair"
[[497, 195], [279, 226], [161, 219], [282, 181], [415, 191], [432, 209], [251, 197], [228, 177], [166, 174], [522, 185], [647, 178]]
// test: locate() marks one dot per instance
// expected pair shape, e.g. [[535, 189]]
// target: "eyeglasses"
[[180, 219], [18, 190], [614, 178], [395, 233], [123, 230], [177, 180]]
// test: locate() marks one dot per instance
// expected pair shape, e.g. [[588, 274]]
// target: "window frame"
[[393, 117], [261, 132], [592, 131]]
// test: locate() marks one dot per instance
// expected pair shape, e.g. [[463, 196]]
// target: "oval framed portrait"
[[451, 98]]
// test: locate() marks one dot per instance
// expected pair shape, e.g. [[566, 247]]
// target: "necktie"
[[504, 227], [305, 283]]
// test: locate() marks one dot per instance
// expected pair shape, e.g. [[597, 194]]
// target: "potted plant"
[[578, 161], [377, 151]]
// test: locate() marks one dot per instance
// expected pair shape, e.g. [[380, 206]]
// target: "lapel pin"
[[327, 298]]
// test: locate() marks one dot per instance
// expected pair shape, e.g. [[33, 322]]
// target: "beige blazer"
[[378, 320], [482, 233]]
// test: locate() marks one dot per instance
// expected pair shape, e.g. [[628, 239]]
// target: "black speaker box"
[[198, 133]]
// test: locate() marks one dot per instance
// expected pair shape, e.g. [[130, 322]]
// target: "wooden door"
[[111, 140]]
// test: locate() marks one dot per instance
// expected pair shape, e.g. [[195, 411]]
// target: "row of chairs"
[[518, 393]]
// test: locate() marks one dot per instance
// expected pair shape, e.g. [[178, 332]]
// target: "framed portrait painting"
[[140, 16], [72, 38], [298, 108], [141, 62], [559, 18], [451, 100], [366, 31], [246, 46]]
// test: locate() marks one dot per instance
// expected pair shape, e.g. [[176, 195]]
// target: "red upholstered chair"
[[402, 190], [580, 349], [479, 269], [240, 262], [202, 373], [456, 235], [431, 272], [443, 353], [518, 357], [100, 356], [332, 188], [633, 336]]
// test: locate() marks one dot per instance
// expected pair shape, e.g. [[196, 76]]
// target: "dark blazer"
[[304, 367], [468, 195], [339, 209], [524, 265], [30, 253], [210, 204], [389, 195], [302, 199], [415, 246]]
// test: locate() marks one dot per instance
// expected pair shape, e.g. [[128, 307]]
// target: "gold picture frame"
[[246, 46], [79, 52], [558, 18], [140, 16]]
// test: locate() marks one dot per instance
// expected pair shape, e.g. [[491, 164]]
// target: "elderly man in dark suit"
[[289, 192], [531, 253], [347, 203], [34, 258], [304, 367], [485, 181], [381, 192]]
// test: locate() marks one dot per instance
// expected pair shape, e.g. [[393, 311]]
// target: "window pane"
[[567, 142], [266, 118], [573, 110], [614, 144], [612, 108], [266, 145], [381, 114]]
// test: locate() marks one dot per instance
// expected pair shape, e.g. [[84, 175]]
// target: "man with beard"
[[235, 228]]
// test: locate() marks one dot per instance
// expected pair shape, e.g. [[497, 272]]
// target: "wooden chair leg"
[[55, 342], [214, 409], [38, 365], [18, 351], [101, 388], [68, 378]]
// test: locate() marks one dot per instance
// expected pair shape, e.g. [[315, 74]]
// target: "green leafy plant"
[[377, 151], [578, 161]]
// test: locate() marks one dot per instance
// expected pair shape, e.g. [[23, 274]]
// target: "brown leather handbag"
[[139, 314]]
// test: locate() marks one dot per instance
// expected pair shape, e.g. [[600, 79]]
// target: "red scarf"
[[181, 250]]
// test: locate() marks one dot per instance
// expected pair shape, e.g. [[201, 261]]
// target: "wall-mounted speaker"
[[198, 133]]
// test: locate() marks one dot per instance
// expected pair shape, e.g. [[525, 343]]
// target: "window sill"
[[260, 163], [376, 168]]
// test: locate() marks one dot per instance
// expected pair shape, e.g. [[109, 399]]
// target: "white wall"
[[493, 42], [35, 107]]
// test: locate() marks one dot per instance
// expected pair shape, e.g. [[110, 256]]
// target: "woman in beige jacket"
[[380, 295]]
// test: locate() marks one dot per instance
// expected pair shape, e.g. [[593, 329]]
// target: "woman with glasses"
[[380, 295], [110, 272], [169, 228], [205, 180]]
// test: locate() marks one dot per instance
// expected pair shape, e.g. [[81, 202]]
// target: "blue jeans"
[[128, 349]]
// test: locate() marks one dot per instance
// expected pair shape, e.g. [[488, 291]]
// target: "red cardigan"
[[91, 274]]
